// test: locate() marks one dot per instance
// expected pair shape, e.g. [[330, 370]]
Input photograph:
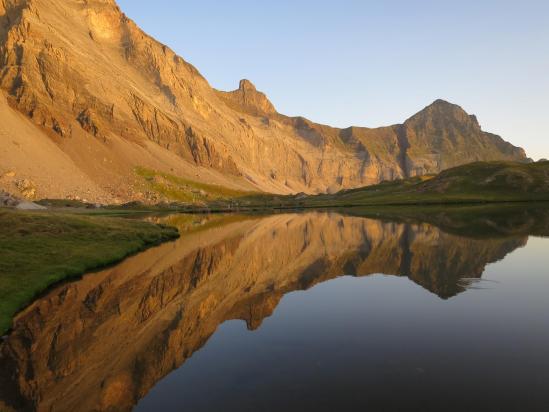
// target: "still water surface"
[[297, 312]]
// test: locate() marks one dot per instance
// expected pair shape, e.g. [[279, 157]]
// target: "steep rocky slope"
[[112, 98]]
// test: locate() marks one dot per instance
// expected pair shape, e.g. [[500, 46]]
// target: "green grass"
[[474, 183], [174, 188], [64, 203], [38, 250], [194, 223], [481, 182]]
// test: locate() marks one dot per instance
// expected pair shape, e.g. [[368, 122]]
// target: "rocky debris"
[[25, 205], [26, 187], [8, 200], [88, 122]]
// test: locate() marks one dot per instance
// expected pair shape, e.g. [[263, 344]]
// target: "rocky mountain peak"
[[248, 99], [442, 114], [443, 135], [246, 86], [443, 103]]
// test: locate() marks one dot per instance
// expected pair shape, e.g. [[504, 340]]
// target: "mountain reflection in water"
[[102, 343]]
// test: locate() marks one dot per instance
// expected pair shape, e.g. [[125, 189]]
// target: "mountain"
[[87, 97]]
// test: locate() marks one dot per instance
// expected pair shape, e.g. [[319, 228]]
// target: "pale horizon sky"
[[371, 63]]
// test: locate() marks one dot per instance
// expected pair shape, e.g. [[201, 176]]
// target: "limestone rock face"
[[114, 98], [443, 135], [247, 99]]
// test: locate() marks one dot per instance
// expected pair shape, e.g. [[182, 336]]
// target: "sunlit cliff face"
[[101, 343], [94, 81]]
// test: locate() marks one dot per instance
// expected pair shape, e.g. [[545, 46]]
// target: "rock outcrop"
[[247, 99], [10, 201], [443, 135], [113, 98]]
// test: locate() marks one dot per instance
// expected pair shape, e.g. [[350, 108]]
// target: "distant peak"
[[441, 103], [443, 113], [441, 106], [246, 85], [248, 99]]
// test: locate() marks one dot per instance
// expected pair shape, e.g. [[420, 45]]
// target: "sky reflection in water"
[[457, 322]]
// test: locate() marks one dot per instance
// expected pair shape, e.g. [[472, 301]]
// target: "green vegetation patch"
[[38, 250], [174, 188], [474, 183], [480, 182], [194, 223]]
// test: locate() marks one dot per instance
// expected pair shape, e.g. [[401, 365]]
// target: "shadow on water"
[[102, 343]]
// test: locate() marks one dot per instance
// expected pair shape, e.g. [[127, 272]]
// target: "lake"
[[317, 311]]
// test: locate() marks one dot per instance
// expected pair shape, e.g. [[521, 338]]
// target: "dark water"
[[440, 311]]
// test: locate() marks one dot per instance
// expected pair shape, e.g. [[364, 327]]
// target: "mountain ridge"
[[110, 91]]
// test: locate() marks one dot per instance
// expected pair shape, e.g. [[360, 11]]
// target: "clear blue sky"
[[371, 63]]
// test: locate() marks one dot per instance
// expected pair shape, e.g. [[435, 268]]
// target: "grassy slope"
[[475, 182], [174, 188], [41, 249], [481, 182]]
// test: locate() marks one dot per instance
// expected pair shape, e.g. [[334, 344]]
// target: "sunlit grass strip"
[[38, 250], [185, 190]]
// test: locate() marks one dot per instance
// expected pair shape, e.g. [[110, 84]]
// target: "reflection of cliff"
[[101, 343]]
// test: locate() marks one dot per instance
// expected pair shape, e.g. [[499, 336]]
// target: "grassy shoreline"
[[41, 249], [474, 183], [254, 209]]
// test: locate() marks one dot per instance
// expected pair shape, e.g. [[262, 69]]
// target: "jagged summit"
[[443, 114], [442, 103], [441, 106], [246, 85], [109, 98], [248, 99], [458, 139]]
